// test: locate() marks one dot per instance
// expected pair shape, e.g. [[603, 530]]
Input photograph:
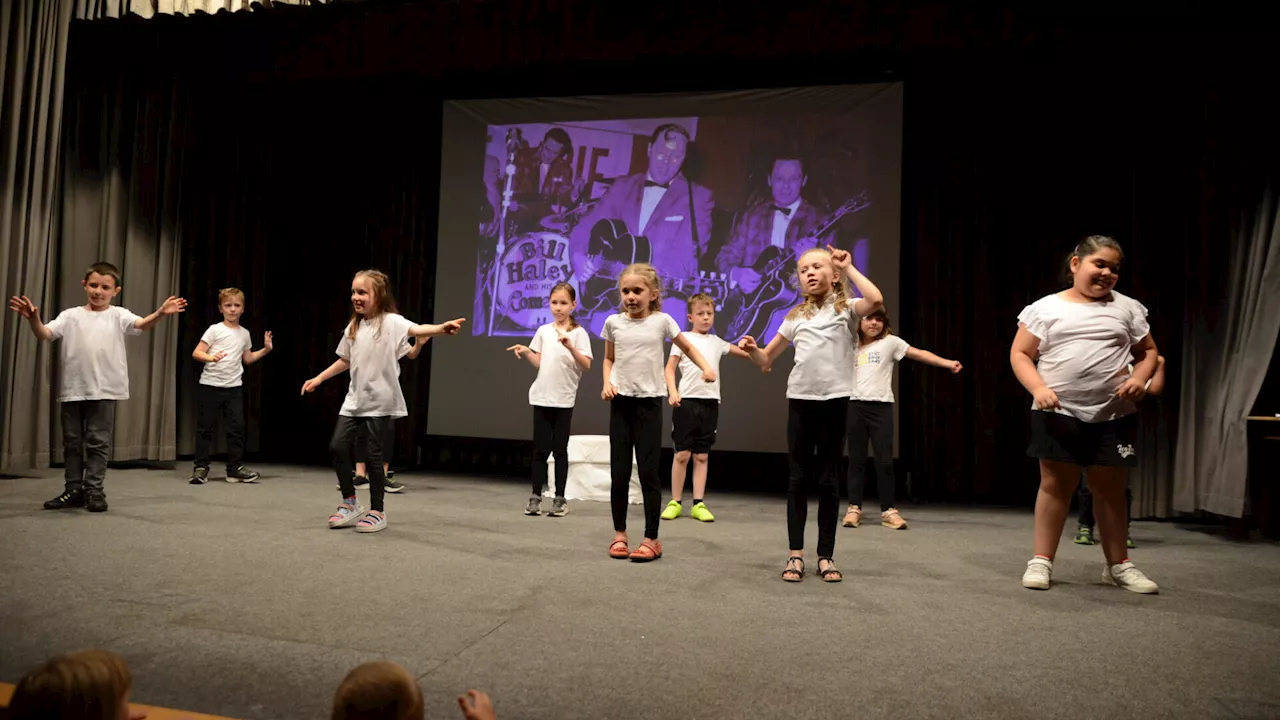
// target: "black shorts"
[[693, 424], [1065, 439]]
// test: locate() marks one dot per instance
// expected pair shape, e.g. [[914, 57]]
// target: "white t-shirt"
[[94, 363], [824, 353], [375, 367], [558, 373], [691, 384], [1085, 350], [873, 368], [235, 342], [637, 352]]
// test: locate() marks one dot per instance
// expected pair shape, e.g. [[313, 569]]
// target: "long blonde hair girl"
[[813, 303], [650, 275], [383, 302]]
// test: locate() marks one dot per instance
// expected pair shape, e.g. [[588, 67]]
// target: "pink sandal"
[[618, 550], [648, 551]]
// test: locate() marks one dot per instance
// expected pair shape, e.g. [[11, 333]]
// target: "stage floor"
[[238, 600]]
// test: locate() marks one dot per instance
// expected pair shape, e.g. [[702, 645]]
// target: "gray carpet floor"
[[237, 600]]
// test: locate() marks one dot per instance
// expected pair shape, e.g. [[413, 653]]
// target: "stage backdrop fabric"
[[762, 175]]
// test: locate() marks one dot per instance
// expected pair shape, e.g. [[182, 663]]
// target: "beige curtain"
[[97, 9], [33, 49]]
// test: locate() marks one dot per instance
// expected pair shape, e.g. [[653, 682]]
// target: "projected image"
[[719, 205]]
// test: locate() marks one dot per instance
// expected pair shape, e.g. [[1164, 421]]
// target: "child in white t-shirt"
[[818, 391], [95, 374], [1072, 353], [409, 350], [370, 350], [695, 404], [871, 413], [561, 351], [225, 348], [634, 385]]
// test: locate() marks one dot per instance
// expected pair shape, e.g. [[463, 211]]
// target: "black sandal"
[[793, 574], [831, 574]]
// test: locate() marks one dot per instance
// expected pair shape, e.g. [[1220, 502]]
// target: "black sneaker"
[[199, 476], [97, 503], [68, 499], [242, 474]]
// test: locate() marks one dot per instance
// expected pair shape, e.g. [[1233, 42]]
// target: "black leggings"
[[388, 444], [551, 437], [635, 423], [815, 429], [348, 435], [875, 420]]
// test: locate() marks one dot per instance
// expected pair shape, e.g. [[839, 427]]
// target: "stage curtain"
[[33, 48], [1227, 362], [98, 9]]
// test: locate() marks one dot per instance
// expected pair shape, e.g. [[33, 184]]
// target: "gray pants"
[[86, 440]]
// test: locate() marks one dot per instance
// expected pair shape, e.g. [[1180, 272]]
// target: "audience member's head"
[[85, 685], [378, 691]]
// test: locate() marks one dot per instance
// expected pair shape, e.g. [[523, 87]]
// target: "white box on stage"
[[589, 476]]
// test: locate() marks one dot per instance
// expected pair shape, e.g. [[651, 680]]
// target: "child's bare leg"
[[699, 476], [1058, 481], [1107, 486], [679, 468]]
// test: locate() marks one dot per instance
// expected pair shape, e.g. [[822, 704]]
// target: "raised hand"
[[563, 337], [841, 259], [1046, 399], [519, 350], [748, 343], [173, 304], [609, 391], [266, 341], [310, 385], [452, 327], [476, 706], [24, 307]]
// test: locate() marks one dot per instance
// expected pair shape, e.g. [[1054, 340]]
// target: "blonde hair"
[[573, 297], [700, 298], [813, 303], [380, 690], [84, 685], [382, 302], [230, 292], [650, 275]]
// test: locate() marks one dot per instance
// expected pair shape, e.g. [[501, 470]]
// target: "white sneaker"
[[1130, 578], [346, 515], [1038, 574]]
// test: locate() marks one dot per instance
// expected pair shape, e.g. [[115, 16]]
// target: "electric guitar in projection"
[[753, 313], [611, 248]]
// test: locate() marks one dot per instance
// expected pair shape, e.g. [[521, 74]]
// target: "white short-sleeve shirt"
[[229, 371], [558, 373], [94, 363], [638, 352], [1085, 351], [824, 353], [873, 368], [375, 367], [691, 384]]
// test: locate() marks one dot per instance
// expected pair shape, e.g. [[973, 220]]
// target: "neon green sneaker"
[[1129, 543], [700, 512], [673, 510], [1084, 535]]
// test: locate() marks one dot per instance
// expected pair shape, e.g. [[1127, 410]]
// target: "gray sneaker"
[[199, 476], [534, 507], [559, 508]]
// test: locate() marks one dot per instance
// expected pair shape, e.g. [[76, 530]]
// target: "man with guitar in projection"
[[657, 216], [762, 248]]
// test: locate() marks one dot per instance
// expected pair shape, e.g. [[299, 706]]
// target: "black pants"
[[347, 437], [388, 444], [551, 437], [227, 403], [1086, 503], [873, 420], [815, 429], [635, 423], [87, 427]]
